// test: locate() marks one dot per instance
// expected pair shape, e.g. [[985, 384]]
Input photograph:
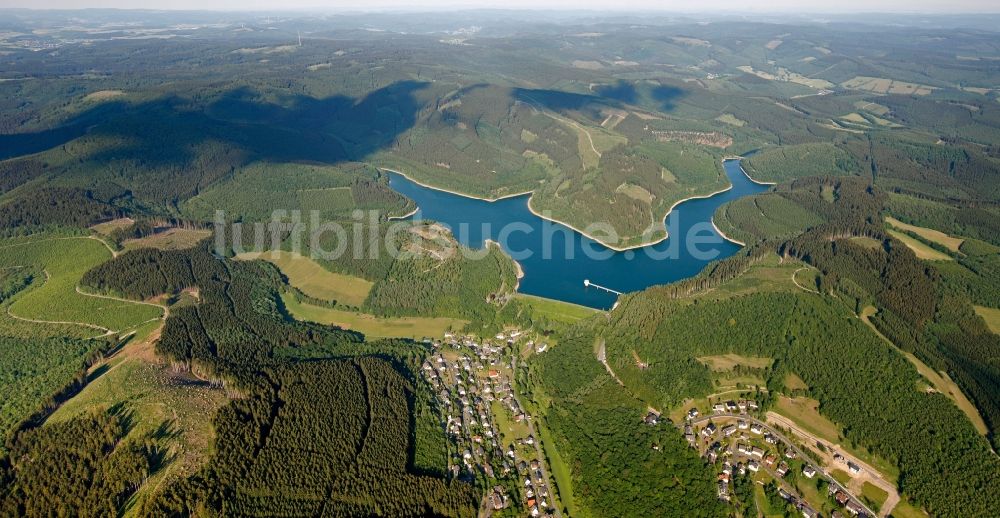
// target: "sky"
[[741, 6]]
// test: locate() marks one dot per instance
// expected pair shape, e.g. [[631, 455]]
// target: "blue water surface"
[[556, 260]]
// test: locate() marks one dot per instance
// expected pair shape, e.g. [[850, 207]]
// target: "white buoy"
[[586, 282]]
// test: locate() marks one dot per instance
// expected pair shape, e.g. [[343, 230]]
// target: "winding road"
[[105, 331]]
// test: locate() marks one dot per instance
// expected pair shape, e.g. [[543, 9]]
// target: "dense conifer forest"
[[869, 276], [355, 415]]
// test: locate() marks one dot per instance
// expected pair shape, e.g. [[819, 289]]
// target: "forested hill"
[[814, 332], [144, 374], [613, 125], [299, 436]]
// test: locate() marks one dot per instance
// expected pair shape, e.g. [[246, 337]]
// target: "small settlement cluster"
[[491, 435], [741, 445]]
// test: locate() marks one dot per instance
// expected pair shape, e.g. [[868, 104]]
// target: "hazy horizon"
[[936, 7]]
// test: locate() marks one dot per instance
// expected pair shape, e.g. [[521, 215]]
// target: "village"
[[492, 438], [746, 449]]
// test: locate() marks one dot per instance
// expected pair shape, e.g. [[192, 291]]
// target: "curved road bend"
[[802, 454]]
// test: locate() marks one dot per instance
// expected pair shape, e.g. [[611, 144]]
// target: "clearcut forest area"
[[845, 361]]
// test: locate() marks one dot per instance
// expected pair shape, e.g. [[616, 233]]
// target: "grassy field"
[[794, 382], [991, 316], [807, 488], [923, 251], [314, 280], [65, 260], [805, 413], [725, 362], [769, 274], [370, 325], [806, 278], [840, 476], [171, 239], [556, 310], [905, 509], [560, 472], [934, 236], [874, 494]]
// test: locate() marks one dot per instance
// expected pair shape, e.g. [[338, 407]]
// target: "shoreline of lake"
[[663, 222], [554, 260]]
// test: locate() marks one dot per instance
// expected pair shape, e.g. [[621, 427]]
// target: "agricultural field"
[[57, 299], [315, 281], [370, 325], [935, 236], [881, 85], [920, 249]]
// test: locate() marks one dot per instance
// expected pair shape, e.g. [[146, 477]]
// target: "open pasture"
[[314, 280]]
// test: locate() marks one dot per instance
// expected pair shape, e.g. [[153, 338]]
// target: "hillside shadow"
[[661, 97], [621, 90], [666, 96], [236, 128], [301, 128], [562, 102]]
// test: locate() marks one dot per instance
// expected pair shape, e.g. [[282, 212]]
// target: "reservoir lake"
[[556, 259]]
